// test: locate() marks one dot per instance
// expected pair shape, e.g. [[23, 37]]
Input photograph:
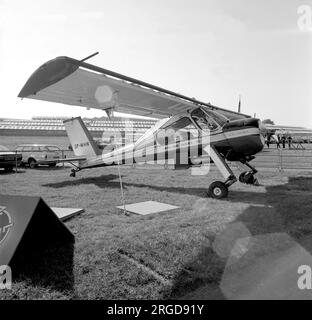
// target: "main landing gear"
[[218, 189]]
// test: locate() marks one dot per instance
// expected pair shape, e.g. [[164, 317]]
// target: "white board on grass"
[[67, 213], [148, 207]]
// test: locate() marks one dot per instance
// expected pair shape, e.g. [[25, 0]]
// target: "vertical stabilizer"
[[80, 138]]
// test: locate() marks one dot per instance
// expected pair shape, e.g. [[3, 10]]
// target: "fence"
[[282, 159], [279, 159]]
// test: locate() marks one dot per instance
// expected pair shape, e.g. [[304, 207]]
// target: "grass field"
[[160, 256]]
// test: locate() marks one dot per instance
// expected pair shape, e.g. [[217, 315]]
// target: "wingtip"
[[48, 74]]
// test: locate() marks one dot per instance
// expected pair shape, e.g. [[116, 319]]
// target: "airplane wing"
[[73, 82]]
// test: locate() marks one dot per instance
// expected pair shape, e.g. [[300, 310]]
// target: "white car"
[[39, 154]]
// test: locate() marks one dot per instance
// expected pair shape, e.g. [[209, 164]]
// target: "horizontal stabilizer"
[[71, 159]]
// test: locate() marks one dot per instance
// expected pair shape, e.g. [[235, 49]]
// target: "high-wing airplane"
[[222, 134]]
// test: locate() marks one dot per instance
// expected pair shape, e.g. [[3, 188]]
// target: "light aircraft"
[[222, 134]]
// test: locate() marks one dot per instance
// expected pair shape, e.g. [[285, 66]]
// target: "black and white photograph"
[[155, 151]]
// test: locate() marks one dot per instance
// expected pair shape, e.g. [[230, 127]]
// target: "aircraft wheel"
[[248, 178], [241, 177], [218, 190]]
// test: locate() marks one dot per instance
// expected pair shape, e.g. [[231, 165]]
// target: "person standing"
[[278, 141], [283, 141], [289, 140], [268, 141]]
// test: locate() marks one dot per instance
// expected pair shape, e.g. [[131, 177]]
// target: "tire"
[[241, 177], [8, 169], [32, 163], [52, 165], [218, 190], [247, 178]]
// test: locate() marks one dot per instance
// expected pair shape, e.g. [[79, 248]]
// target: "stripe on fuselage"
[[228, 136]]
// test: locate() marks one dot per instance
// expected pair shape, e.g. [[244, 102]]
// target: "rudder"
[[80, 138]]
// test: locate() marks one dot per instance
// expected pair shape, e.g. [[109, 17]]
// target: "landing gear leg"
[[218, 189], [248, 177]]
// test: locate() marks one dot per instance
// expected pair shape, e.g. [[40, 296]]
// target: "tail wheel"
[[73, 173], [218, 190], [32, 163]]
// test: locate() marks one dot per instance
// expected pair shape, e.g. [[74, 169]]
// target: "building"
[[53, 126]]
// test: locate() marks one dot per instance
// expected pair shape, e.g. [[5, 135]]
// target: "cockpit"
[[183, 127], [208, 119]]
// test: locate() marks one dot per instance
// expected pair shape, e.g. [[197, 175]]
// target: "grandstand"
[[53, 126]]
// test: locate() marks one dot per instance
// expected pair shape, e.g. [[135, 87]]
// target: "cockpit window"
[[219, 118], [204, 121], [180, 129], [182, 123]]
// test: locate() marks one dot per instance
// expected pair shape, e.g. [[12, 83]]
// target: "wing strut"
[[89, 57]]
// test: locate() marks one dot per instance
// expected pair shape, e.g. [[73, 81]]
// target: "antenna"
[[89, 57], [121, 189]]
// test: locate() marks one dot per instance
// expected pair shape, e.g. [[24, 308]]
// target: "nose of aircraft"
[[252, 141]]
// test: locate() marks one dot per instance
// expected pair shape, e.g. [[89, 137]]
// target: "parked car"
[[9, 159], [39, 154]]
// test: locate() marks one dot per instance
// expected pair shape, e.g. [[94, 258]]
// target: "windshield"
[[204, 121], [180, 130], [219, 118]]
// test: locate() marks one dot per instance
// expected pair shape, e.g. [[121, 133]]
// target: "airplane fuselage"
[[236, 141]]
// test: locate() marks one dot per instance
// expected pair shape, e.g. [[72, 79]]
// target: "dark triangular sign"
[[28, 226]]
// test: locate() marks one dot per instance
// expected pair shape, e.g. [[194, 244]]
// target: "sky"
[[213, 50]]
